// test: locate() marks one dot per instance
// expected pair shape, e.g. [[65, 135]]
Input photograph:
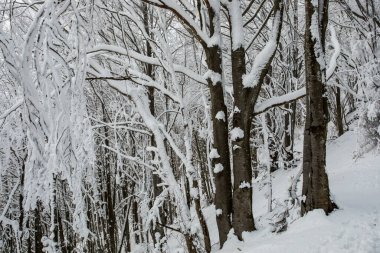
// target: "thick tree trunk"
[[315, 180], [223, 185], [241, 151]]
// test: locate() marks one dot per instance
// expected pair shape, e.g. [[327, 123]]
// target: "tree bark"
[[38, 246], [223, 185], [339, 116], [241, 150], [315, 180]]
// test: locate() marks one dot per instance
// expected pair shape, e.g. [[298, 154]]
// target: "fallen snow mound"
[[355, 187]]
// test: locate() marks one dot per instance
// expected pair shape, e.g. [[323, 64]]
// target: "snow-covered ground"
[[355, 227]]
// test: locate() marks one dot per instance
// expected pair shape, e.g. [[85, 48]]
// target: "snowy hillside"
[[355, 186]]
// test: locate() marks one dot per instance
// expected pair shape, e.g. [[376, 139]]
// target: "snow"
[[17, 104], [251, 79], [355, 187], [244, 185], [334, 57], [218, 212], [194, 193], [216, 38], [214, 154], [236, 133], [218, 168], [315, 33], [236, 25], [275, 101], [213, 76], [220, 116]]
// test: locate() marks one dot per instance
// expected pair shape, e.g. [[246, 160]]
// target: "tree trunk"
[[202, 171], [244, 100], [111, 219], [149, 70], [136, 230], [339, 117], [223, 185], [202, 221], [38, 246], [315, 180], [241, 150]]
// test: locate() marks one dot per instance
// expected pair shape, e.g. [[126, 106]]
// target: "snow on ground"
[[355, 227]]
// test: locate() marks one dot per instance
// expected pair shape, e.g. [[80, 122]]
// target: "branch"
[[145, 59], [334, 57], [12, 109], [171, 228], [264, 58], [121, 78], [277, 101], [197, 32], [130, 158], [135, 76]]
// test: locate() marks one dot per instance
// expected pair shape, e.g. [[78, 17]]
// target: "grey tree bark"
[[315, 180]]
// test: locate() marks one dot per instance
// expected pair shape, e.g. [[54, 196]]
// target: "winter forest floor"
[[355, 187]]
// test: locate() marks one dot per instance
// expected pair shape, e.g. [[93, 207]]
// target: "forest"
[[189, 126]]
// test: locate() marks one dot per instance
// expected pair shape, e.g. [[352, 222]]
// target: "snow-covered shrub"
[[369, 116], [369, 126]]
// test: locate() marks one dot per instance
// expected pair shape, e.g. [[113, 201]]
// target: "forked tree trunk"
[[315, 180], [244, 100]]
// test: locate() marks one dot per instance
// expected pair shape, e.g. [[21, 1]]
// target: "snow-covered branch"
[[252, 79], [277, 101], [13, 108], [99, 49], [332, 64]]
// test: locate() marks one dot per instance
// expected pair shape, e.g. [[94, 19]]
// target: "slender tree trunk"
[[38, 246], [202, 171], [111, 219], [62, 243], [202, 221], [339, 116], [315, 180], [136, 230], [156, 180]]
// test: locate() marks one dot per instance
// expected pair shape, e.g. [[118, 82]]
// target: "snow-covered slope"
[[355, 227]]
